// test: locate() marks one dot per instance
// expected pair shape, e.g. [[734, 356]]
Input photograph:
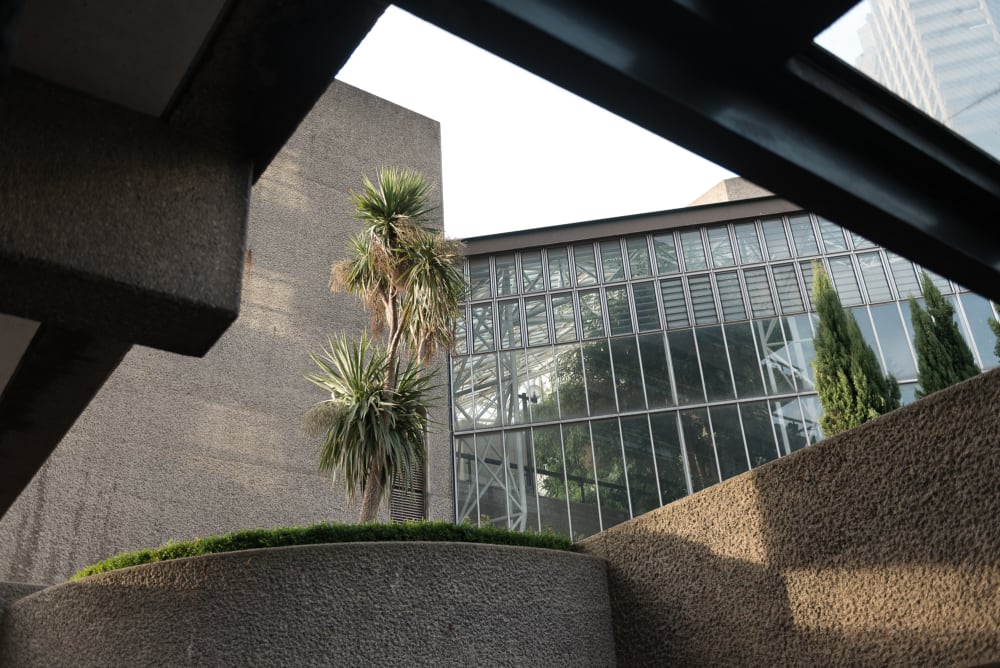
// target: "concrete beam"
[[116, 223]]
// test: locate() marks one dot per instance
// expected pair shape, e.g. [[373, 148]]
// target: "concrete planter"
[[356, 604]]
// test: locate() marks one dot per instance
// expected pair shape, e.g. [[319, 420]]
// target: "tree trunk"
[[372, 498]]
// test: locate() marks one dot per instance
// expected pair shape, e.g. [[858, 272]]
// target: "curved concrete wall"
[[360, 604], [879, 546]]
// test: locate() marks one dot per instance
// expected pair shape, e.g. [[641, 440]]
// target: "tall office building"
[[610, 367], [943, 56]]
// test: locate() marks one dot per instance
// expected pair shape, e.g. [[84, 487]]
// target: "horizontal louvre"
[[787, 284], [406, 503], [759, 292], [702, 301], [673, 303]]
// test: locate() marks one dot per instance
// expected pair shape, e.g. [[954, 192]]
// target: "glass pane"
[[639, 465], [591, 317], [541, 391], [845, 281], [978, 312], [811, 412], [787, 420], [563, 319], [479, 278], [559, 274], [903, 275], [569, 371], [775, 239], [600, 394], [786, 282], [808, 268], [586, 264], [513, 388], [461, 333], [552, 512], [466, 501], [610, 472], [482, 327], [507, 281], [731, 296], [702, 300], [510, 324], [867, 331], [714, 365], [833, 236], [619, 316], [487, 395], [638, 257], [748, 243], [722, 248], [774, 357], [874, 277], [654, 365], [860, 242], [520, 482], [694, 250], [462, 395], [669, 456], [759, 433], [531, 271], [647, 312], [611, 261], [698, 444], [535, 320], [628, 375], [490, 470], [728, 440], [939, 281], [666, 254], [907, 393], [684, 359], [895, 342], [743, 356], [581, 487], [674, 306], [803, 235], [759, 291], [801, 351]]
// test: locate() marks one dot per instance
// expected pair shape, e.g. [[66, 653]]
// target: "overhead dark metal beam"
[[811, 128]]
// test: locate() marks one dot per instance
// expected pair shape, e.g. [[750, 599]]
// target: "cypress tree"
[[995, 326], [943, 356], [849, 379]]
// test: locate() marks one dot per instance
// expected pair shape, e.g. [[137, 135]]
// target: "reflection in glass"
[[730, 296], [903, 275], [487, 390], [581, 487], [639, 465], [597, 363], [462, 394], [833, 236], [687, 375], [674, 307], [698, 444], [694, 250], [657, 373], [466, 499], [535, 321], [479, 278], [669, 456], [811, 412], [860, 243], [610, 471], [759, 433], [702, 300], [864, 322], [563, 319], [569, 371], [939, 281], [808, 269], [553, 514], [803, 235], [801, 351], [523, 507], [619, 316], [482, 328], [586, 264], [895, 342], [559, 274], [541, 390], [647, 312], [506, 275], [908, 393], [786, 282], [775, 239], [628, 375], [743, 357], [490, 475], [774, 359], [591, 318], [722, 248], [874, 277], [531, 271], [665, 252], [510, 324], [714, 364], [844, 280], [787, 419], [759, 292], [611, 261], [638, 257], [513, 386], [979, 312], [461, 333], [748, 243], [728, 440]]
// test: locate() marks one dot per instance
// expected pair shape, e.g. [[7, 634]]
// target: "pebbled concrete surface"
[[361, 604], [12, 591], [879, 546]]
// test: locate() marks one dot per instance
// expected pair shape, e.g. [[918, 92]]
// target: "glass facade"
[[594, 381]]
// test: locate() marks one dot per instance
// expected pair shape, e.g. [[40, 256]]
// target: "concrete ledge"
[[879, 546], [354, 604]]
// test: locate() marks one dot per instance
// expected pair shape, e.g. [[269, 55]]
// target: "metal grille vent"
[[407, 503]]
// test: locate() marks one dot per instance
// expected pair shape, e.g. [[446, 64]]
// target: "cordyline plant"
[[408, 275]]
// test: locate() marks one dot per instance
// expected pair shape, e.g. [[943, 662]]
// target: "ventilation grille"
[[407, 503]]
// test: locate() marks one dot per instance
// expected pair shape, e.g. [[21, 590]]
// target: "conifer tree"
[[995, 326], [849, 379], [943, 356]]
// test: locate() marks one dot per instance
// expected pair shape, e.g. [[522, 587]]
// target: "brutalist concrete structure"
[[175, 447]]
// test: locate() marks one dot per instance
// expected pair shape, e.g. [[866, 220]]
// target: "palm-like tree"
[[409, 276]]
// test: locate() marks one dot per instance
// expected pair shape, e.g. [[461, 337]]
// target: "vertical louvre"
[[759, 292], [407, 502]]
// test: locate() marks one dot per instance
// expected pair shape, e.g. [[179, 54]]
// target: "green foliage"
[[363, 422], [849, 379], [995, 326], [330, 533], [943, 356]]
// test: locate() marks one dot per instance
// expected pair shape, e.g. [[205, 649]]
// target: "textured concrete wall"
[[12, 591], [879, 546], [173, 447], [362, 604]]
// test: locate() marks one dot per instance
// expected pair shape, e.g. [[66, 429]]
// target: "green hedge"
[[249, 539]]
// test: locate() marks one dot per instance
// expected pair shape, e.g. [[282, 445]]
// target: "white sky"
[[517, 151]]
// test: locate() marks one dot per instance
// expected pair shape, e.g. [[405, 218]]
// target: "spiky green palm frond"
[[434, 285], [362, 423], [400, 196]]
